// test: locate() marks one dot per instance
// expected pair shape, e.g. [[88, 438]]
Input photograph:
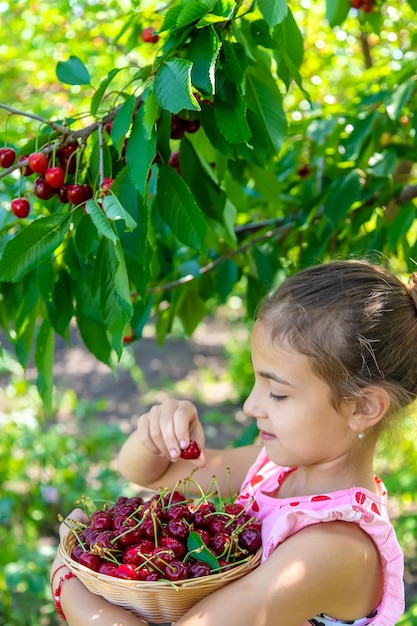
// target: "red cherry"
[[7, 157], [90, 560], [20, 207], [198, 569], [192, 451], [108, 568], [177, 547], [176, 570], [192, 126], [38, 162], [25, 170], [76, 194], [250, 539], [178, 528], [43, 189], [148, 35], [178, 127], [55, 176], [174, 161], [127, 571], [101, 520]]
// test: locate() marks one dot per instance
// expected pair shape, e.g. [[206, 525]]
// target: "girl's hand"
[[168, 428]]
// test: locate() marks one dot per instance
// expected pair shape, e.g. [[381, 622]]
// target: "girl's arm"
[[151, 458]]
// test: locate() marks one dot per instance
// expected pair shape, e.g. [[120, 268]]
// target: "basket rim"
[[227, 576]]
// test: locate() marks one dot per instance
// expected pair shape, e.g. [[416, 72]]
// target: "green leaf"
[[264, 100], [115, 211], [72, 72], [200, 551], [274, 11], [289, 51], [173, 88], [225, 276], [191, 311], [232, 121], [402, 223], [109, 286], [178, 208], [97, 97], [336, 11], [344, 191], [32, 245], [92, 331], [141, 150], [122, 122], [44, 360], [203, 52], [25, 321], [61, 307], [103, 226], [400, 96], [193, 11]]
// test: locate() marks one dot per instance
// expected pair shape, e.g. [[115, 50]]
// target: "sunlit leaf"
[[72, 72]]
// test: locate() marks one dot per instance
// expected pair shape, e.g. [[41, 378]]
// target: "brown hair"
[[357, 322]]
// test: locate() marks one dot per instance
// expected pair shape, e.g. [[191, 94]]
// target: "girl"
[[334, 353]]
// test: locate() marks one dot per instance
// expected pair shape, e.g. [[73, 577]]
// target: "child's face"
[[298, 423]]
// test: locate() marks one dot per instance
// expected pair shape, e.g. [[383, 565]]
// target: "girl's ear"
[[370, 408]]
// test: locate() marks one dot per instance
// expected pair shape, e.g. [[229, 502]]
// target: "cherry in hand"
[[192, 451]]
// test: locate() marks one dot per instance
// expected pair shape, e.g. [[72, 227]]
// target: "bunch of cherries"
[[169, 537], [365, 5], [50, 179]]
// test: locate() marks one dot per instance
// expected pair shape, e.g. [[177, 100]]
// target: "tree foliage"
[[220, 144]]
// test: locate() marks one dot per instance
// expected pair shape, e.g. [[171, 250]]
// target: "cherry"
[[177, 127], [180, 511], [25, 170], [148, 35], [176, 570], [90, 560], [127, 571], [107, 568], [178, 528], [136, 555], [7, 157], [173, 497], [192, 126], [62, 193], [101, 520], [198, 569], [202, 514], [174, 161], [177, 547], [43, 189], [55, 176], [234, 508], [192, 451], [220, 543], [20, 207], [78, 194], [250, 539], [38, 162], [204, 534]]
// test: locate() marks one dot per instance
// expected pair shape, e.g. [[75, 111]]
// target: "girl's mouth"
[[266, 436]]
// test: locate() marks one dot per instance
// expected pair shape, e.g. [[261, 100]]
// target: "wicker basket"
[[156, 601]]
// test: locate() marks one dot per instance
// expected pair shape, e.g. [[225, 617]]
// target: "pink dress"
[[282, 517]]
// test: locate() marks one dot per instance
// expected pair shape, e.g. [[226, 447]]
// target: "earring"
[[361, 436]]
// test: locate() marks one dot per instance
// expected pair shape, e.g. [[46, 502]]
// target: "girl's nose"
[[252, 406]]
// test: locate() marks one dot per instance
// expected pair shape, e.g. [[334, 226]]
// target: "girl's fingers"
[[166, 429], [77, 515]]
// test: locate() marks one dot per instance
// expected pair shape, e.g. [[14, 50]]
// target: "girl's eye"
[[277, 398]]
